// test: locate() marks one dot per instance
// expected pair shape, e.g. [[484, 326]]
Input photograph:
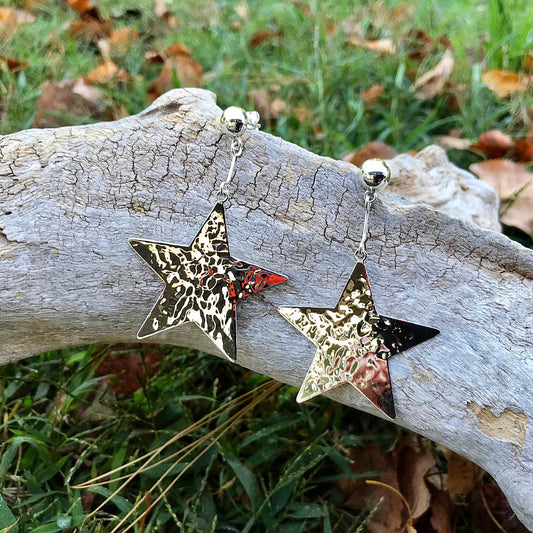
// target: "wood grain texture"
[[71, 197]]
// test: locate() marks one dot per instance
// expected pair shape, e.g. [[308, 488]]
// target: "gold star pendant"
[[354, 343], [202, 283]]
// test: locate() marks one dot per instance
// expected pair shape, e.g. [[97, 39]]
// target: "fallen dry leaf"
[[490, 498], [161, 11], [463, 475], [262, 35], [177, 59], [121, 39], [91, 26], [85, 9], [14, 65], [372, 94], [504, 83], [385, 17], [514, 184], [24, 17], [494, 143], [415, 460], [440, 513], [374, 149], [391, 514], [432, 83], [8, 22], [125, 361], [418, 45], [523, 150], [60, 101], [106, 72], [449, 141], [268, 109], [383, 46]]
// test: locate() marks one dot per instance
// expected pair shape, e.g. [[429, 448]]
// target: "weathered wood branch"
[[71, 197]]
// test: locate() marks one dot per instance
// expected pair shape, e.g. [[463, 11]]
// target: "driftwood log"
[[71, 197]]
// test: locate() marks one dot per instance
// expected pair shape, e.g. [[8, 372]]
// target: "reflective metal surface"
[[202, 283], [354, 343]]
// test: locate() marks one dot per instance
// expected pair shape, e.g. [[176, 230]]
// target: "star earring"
[[203, 281], [353, 341]]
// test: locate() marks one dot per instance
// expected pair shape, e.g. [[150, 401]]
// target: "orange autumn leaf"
[[374, 149], [504, 83], [514, 185], [383, 46], [432, 83], [372, 94], [63, 100], [85, 9], [12, 64], [523, 150], [121, 38], [8, 22], [261, 35], [493, 143], [106, 72], [178, 61]]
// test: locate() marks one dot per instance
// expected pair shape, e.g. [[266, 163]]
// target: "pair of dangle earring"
[[353, 341], [203, 281]]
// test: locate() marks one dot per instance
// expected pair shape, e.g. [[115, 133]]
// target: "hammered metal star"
[[354, 343], [202, 283]]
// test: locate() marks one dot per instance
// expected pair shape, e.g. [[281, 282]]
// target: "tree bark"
[[71, 197]]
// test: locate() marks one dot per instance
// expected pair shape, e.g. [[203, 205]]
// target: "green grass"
[[60, 426], [273, 471]]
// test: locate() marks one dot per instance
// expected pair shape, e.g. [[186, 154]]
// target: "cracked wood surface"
[[71, 197]]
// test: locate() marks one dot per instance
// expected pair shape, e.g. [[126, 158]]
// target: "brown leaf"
[[85, 10], [372, 94], [89, 30], [177, 59], [23, 16], [449, 141], [463, 475], [261, 35], [125, 361], [504, 83], [493, 500], [432, 83], [418, 45], [178, 49], [390, 515], [523, 150], [514, 184], [8, 22], [14, 65], [494, 143], [440, 512], [415, 460], [374, 149], [154, 56], [383, 46], [268, 109], [106, 72], [61, 101], [161, 11], [92, 25], [121, 39]]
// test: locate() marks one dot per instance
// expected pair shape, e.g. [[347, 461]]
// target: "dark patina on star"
[[202, 283], [354, 343]]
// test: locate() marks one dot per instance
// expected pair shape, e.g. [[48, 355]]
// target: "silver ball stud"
[[376, 173], [235, 119]]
